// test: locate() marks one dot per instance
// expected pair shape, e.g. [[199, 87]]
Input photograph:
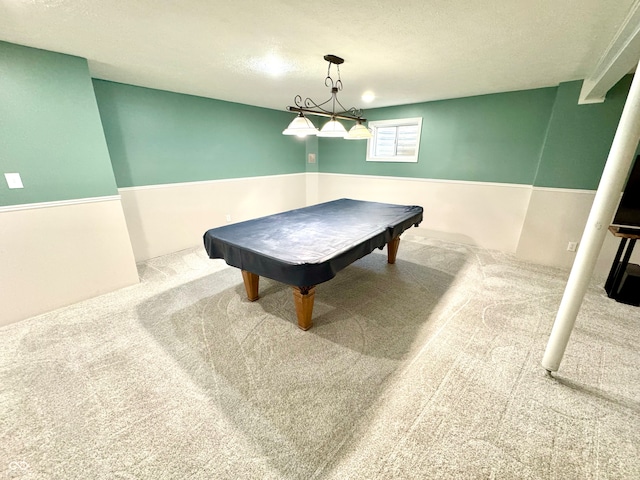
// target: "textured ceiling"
[[405, 51]]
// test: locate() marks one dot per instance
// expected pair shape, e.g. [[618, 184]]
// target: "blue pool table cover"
[[308, 246]]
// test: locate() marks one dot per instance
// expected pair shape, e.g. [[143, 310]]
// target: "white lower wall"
[[57, 254], [489, 215], [167, 218], [312, 193], [534, 223], [556, 217]]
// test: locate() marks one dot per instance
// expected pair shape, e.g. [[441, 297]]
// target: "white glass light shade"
[[301, 126], [358, 132], [332, 128]]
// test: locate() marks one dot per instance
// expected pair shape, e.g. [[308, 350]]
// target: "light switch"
[[13, 180], [312, 158]]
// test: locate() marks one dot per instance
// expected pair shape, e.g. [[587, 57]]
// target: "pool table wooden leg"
[[303, 298], [392, 249], [251, 281]]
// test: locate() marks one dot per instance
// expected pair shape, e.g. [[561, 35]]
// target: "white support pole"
[[615, 173]]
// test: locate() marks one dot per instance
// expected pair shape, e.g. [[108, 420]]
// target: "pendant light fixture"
[[333, 128], [358, 132], [302, 126]]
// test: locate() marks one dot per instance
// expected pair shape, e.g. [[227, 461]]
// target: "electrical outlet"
[[572, 246], [228, 217]]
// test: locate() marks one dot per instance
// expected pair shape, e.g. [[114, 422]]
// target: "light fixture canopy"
[[332, 128]]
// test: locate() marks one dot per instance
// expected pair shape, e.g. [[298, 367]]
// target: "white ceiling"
[[405, 51]]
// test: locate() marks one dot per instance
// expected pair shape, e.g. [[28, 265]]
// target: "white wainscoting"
[[168, 218], [534, 223], [555, 217], [58, 253], [477, 213]]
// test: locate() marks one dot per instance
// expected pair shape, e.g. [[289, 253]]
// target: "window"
[[394, 140]]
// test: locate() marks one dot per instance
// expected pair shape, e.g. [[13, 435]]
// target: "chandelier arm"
[[328, 82], [344, 110], [298, 100], [337, 85], [309, 103], [341, 116], [353, 112]]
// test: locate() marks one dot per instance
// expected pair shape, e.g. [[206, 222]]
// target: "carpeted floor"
[[427, 369]]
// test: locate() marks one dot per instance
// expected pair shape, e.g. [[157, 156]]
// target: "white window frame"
[[371, 142]]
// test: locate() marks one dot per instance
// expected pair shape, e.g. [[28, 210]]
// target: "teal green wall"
[[579, 138], [53, 133], [50, 131], [158, 137], [489, 138], [534, 137]]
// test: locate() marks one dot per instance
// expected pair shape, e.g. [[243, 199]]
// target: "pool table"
[[308, 246]]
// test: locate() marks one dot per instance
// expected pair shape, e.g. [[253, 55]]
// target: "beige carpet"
[[429, 368]]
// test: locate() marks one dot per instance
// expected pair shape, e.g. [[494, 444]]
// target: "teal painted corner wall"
[[579, 137], [488, 138], [159, 137], [50, 130]]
